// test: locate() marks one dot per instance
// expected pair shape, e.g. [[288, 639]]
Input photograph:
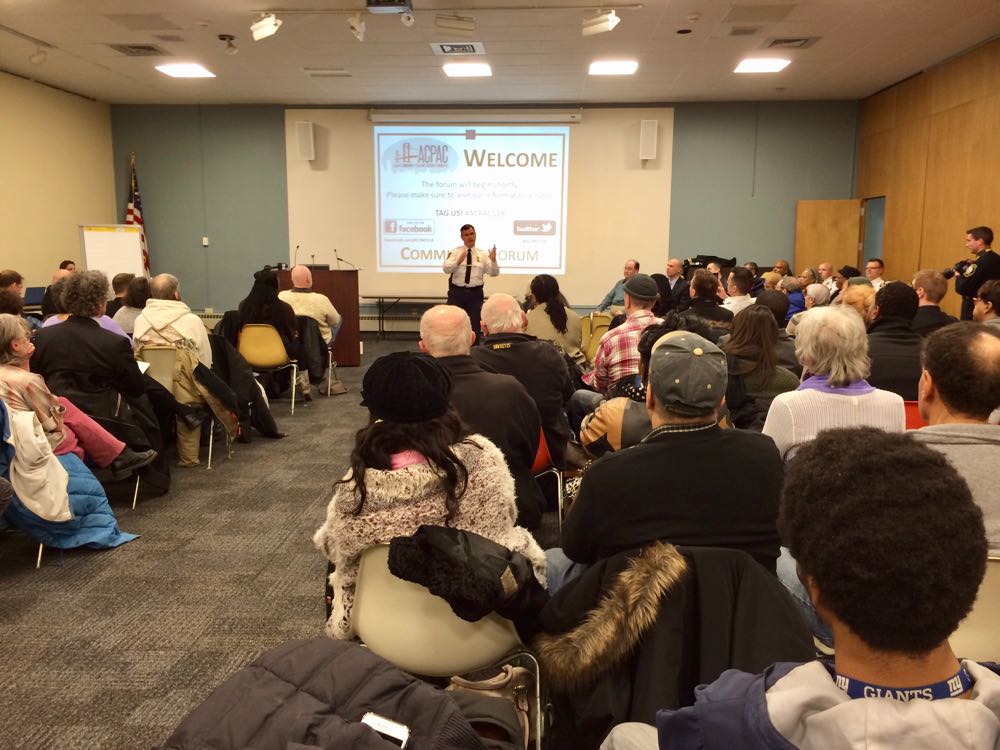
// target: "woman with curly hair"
[[552, 319], [414, 464]]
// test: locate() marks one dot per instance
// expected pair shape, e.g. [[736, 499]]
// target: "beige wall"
[[618, 208], [55, 152], [931, 146]]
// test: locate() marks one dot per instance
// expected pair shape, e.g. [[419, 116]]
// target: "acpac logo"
[[419, 154]]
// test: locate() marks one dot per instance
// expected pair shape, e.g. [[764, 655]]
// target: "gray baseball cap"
[[687, 373]]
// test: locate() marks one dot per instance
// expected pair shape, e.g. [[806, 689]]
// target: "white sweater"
[[797, 417]]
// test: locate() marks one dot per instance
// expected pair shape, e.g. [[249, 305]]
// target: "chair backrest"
[[585, 330], [543, 459], [599, 325], [409, 626], [261, 345], [161, 358], [913, 419], [978, 635]]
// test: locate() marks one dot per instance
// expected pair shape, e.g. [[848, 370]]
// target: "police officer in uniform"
[[467, 267], [972, 274]]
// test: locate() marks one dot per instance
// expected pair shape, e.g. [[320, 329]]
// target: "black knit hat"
[[641, 287], [406, 387]]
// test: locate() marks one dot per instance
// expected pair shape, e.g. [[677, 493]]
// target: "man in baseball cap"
[[677, 484]]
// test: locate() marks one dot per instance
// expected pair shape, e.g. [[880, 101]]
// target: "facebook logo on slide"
[[407, 226]]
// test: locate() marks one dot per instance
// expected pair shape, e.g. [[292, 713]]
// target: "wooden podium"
[[342, 289]]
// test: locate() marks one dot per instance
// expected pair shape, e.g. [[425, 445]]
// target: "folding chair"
[[543, 465], [409, 626], [599, 325], [161, 359], [261, 346]]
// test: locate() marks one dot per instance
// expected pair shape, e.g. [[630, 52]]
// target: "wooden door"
[[827, 231]]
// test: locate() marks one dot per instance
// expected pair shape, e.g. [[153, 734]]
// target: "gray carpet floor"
[[111, 649]]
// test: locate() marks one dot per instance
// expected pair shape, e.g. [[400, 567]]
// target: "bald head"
[[445, 331], [165, 286], [674, 268], [502, 314]]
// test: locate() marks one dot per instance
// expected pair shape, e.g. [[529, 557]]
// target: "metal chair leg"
[[295, 380], [38, 562], [211, 439], [135, 495]]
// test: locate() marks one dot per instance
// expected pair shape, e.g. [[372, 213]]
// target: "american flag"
[[133, 214]]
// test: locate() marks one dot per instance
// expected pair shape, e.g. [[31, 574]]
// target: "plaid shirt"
[[618, 354]]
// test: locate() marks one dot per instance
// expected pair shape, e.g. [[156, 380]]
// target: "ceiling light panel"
[[185, 70], [467, 70], [613, 67], [762, 65]]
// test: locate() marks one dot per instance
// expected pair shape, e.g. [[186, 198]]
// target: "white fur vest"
[[400, 500]]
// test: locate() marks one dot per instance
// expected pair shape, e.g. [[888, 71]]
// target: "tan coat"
[[570, 342]]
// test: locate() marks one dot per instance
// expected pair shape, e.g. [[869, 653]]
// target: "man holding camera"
[[972, 274]]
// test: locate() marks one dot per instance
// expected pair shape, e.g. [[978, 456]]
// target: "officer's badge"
[[970, 269]]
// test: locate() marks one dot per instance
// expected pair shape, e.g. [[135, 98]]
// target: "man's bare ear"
[[423, 347], [650, 398], [472, 337]]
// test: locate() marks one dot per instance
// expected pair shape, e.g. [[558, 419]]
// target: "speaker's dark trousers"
[[470, 299]]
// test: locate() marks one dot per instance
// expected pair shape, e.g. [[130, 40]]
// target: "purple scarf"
[[821, 383]]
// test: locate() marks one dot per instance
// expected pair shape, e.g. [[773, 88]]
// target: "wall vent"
[[327, 72], [140, 50], [791, 42], [169, 37], [744, 30]]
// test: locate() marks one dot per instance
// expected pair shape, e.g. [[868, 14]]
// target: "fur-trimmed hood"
[[612, 630]]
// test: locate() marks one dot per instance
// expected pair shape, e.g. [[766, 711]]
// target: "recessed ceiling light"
[[762, 65], [185, 70], [467, 70], [613, 67]]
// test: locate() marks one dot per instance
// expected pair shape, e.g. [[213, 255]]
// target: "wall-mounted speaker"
[[307, 149], [647, 139]]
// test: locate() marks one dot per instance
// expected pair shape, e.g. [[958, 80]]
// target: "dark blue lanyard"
[[955, 685]]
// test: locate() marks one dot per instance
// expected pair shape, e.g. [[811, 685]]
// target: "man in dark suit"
[[493, 405], [930, 286], [678, 284]]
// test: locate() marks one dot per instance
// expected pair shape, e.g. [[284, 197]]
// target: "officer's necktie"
[[468, 267]]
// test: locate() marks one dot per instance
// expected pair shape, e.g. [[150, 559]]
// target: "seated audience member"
[[894, 681], [262, 305], [414, 463], [815, 295], [551, 319], [68, 265], [987, 304], [959, 389], [770, 279], [841, 277], [119, 284], [616, 357], [669, 487], [12, 303], [90, 366], [623, 421], [167, 320], [537, 365], [893, 346], [705, 304], [808, 276], [796, 300], [133, 303], [716, 270], [755, 377], [783, 268], [825, 270], [832, 347], [50, 303], [678, 284], [665, 301], [930, 286], [491, 404], [757, 285], [873, 271], [67, 429], [858, 298], [304, 301], [777, 303], [60, 312], [614, 300], [738, 289], [12, 281]]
